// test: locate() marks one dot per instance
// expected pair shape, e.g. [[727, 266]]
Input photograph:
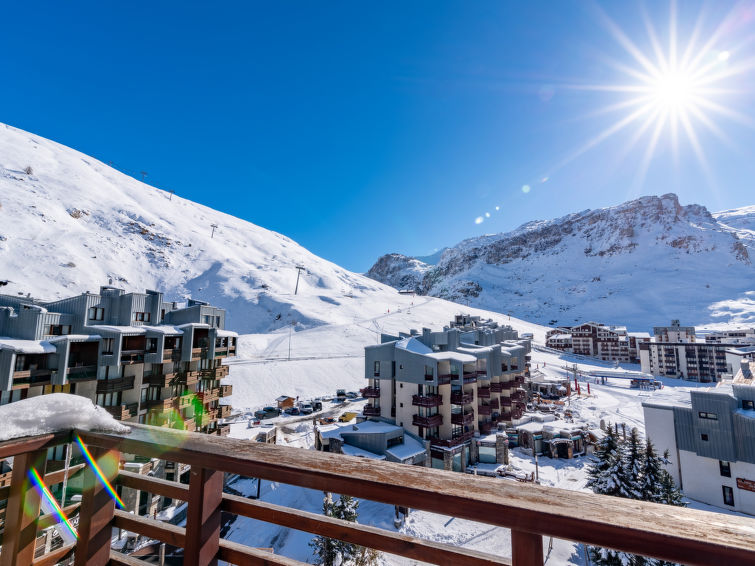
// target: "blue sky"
[[359, 129]]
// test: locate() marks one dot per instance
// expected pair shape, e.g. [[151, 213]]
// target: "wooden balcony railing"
[[82, 373], [496, 387], [132, 357], [484, 410], [370, 411], [427, 400], [462, 418], [427, 422], [160, 379], [483, 392], [462, 398], [531, 511], [226, 390], [187, 378], [224, 411], [115, 384], [370, 392], [123, 412]]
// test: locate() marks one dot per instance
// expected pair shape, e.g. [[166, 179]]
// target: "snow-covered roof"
[[639, 334], [560, 337], [120, 329], [166, 329], [27, 346], [370, 427], [354, 451], [283, 398], [472, 349], [413, 345], [194, 325], [408, 449], [457, 356], [76, 338], [222, 333]]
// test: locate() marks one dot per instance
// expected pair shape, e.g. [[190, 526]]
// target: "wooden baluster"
[[96, 512], [20, 534], [203, 517], [526, 549]]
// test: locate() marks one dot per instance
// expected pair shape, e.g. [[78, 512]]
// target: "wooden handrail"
[[530, 511], [670, 533]]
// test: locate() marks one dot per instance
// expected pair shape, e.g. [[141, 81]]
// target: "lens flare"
[[98, 472], [50, 505]]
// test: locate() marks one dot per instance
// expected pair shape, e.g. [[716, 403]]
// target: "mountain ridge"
[[595, 255]]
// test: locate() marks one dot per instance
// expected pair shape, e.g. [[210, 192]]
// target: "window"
[[725, 468], [59, 329], [142, 316], [377, 368], [748, 404], [151, 347], [709, 416], [107, 346], [704, 437], [162, 315], [728, 495], [96, 313]]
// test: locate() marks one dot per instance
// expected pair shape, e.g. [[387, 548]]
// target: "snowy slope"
[[74, 224], [640, 263]]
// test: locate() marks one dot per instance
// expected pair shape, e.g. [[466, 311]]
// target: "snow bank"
[[52, 413]]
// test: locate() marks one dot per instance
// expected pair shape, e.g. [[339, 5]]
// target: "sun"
[[675, 88]]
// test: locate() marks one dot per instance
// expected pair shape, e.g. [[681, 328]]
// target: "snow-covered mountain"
[[72, 223], [640, 263]]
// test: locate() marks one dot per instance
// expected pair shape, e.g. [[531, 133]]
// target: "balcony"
[[171, 355], [115, 384], [495, 403], [370, 392], [132, 357], [462, 398], [486, 427], [226, 390], [483, 410], [198, 354], [188, 378], [224, 430], [496, 387], [221, 352], [427, 400], [470, 377], [214, 373], [462, 418], [183, 401], [455, 440], [25, 378], [674, 534], [159, 379], [81, 373], [427, 422], [122, 412], [189, 424], [208, 396], [159, 405], [370, 411], [445, 378], [483, 392], [224, 411]]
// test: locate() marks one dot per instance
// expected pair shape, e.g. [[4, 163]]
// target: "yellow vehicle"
[[346, 417]]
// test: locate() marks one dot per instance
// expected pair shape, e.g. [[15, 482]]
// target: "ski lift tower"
[[299, 269]]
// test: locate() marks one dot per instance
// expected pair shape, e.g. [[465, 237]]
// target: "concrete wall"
[[703, 482]]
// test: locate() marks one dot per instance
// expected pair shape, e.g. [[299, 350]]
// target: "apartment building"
[[449, 387], [743, 336], [676, 352], [711, 441], [609, 343]]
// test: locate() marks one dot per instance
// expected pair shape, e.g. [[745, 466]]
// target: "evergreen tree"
[[604, 459], [346, 509], [669, 492], [652, 475], [325, 548], [630, 471]]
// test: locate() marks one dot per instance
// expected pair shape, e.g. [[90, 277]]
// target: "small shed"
[[284, 401]]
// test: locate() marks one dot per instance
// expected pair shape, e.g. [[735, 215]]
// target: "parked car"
[[306, 409], [341, 394], [328, 420], [348, 416], [317, 405], [352, 395], [267, 413], [292, 411]]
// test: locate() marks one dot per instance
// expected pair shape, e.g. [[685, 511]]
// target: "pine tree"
[[630, 472], [604, 458], [326, 549], [669, 492], [652, 475], [346, 509]]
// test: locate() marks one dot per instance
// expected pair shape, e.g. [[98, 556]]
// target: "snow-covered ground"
[[329, 357]]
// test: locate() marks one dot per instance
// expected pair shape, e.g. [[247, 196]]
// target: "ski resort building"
[[594, 339], [141, 358], [675, 352], [711, 441], [449, 387]]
